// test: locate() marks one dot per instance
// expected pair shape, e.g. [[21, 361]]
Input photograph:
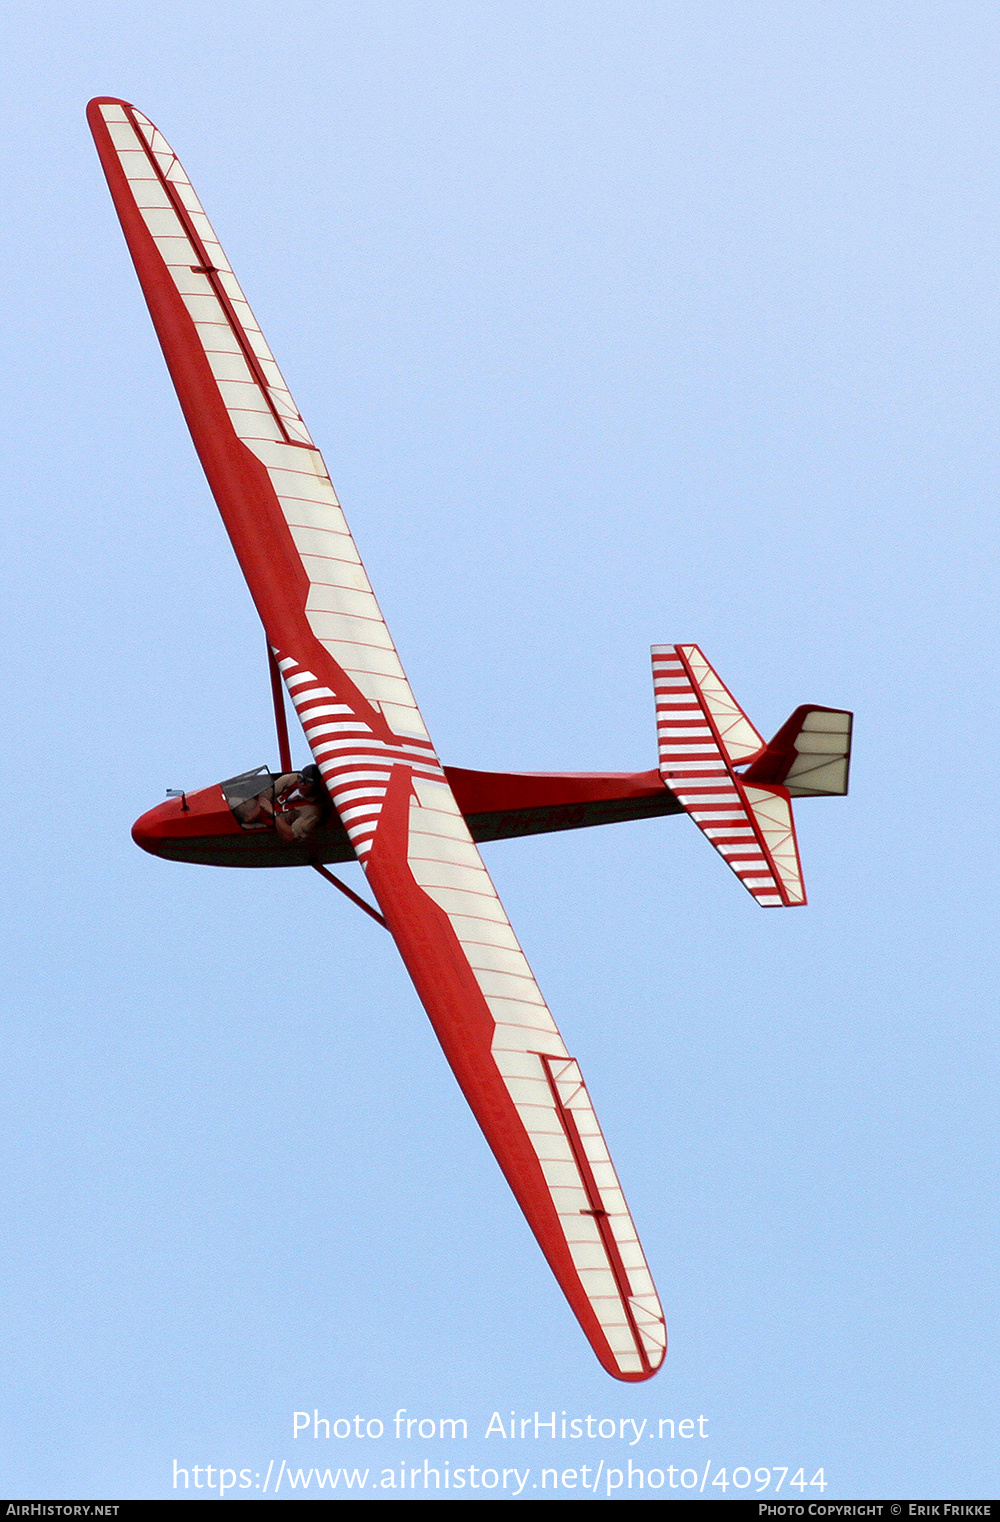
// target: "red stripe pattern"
[[355, 763], [697, 770]]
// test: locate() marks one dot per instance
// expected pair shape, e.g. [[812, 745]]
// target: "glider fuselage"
[[201, 827]]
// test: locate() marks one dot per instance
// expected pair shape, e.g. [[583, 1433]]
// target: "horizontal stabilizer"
[[701, 731], [772, 812], [737, 738], [810, 755]]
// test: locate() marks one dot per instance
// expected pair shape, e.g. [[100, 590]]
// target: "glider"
[[388, 802]]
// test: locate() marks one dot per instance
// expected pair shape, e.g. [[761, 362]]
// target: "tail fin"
[[703, 733], [810, 755]]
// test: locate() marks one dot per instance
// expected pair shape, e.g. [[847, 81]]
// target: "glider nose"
[[204, 812]]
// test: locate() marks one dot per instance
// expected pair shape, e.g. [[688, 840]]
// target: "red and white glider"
[[409, 821]]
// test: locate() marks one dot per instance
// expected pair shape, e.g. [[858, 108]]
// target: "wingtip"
[[94, 106]]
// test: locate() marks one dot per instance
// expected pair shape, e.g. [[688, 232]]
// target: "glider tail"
[[703, 735]]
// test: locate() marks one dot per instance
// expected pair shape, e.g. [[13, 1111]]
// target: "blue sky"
[[617, 325]]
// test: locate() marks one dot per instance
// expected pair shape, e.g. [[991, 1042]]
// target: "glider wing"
[[345, 679]]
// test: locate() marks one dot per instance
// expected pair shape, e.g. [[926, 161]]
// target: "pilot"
[[295, 802], [292, 805]]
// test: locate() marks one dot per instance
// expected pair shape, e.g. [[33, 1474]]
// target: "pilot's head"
[[311, 781]]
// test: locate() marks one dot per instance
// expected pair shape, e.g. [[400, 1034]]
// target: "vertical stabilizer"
[[810, 755]]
